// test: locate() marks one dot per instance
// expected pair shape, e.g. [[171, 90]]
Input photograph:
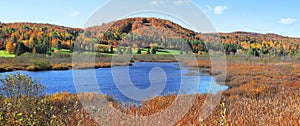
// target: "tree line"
[[19, 38]]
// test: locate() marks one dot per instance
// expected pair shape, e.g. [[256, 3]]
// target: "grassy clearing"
[[159, 51], [67, 51], [3, 53], [166, 51]]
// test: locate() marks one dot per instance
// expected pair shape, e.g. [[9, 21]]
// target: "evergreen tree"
[[111, 49], [139, 51], [14, 39], [58, 45], [20, 49], [153, 50]]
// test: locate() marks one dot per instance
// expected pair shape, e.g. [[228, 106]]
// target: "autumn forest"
[[137, 33]]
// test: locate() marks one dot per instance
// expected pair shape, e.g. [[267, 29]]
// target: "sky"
[[262, 16]]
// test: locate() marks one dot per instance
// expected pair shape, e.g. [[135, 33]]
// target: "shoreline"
[[44, 63], [64, 66], [70, 66]]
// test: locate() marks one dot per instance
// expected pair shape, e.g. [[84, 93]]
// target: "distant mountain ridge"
[[175, 30]]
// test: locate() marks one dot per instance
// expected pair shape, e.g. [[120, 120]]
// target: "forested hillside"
[[18, 38], [37, 38]]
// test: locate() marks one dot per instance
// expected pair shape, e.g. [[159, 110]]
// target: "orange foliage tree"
[[10, 47]]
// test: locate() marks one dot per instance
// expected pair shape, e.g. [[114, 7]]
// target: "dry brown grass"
[[282, 108], [260, 94]]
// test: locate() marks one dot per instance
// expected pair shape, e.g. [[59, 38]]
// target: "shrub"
[[18, 85], [40, 64]]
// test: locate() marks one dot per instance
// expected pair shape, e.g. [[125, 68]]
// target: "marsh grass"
[[261, 93]]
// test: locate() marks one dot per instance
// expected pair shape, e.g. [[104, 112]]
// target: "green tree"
[[20, 49], [203, 47], [41, 49], [227, 48], [148, 51], [233, 48], [139, 51], [250, 51], [58, 45], [253, 52], [281, 51], [111, 49], [14, 39], [264, 50], [153, 50]]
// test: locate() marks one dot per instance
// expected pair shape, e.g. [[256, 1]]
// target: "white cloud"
[[220, 9], [156, 2], [181, 2], [75, 13], [287, 21]]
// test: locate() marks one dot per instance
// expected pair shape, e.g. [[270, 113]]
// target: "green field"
[[159, 51], [62, 50], [168, 51], [144, 51], [3, 53]]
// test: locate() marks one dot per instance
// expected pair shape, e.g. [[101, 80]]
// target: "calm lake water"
[[153, 78]]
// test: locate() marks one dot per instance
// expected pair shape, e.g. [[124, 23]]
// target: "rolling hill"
[[141, 32]]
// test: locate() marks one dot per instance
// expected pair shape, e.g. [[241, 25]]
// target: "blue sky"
[[263, 16]]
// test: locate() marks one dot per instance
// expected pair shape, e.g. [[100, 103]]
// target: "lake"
[[139, 82]]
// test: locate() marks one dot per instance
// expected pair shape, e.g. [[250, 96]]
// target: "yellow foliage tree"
[[27, 43], [10, 47]]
